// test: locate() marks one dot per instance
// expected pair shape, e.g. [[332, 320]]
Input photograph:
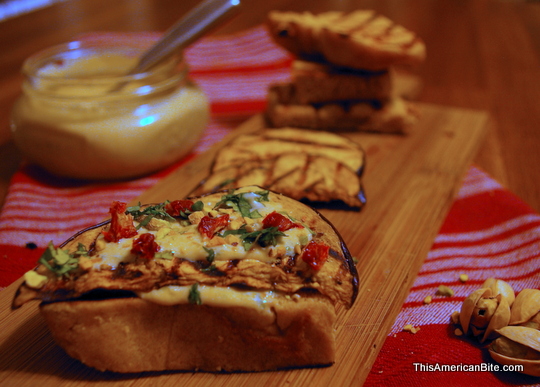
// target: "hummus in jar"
[[80, 116]]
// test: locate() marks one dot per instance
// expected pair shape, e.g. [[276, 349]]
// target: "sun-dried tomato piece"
[[283, 223], [315, 254], [121, 223], [177, 207], [209, 226], [145, 246]]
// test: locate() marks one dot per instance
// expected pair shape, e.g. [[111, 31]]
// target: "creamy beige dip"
[[85, 129]]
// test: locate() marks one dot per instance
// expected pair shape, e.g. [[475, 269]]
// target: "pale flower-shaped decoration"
[[518, 345]]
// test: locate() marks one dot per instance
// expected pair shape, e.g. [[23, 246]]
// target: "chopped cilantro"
[[263, 196], [155, 211], [242, 205], [158, 211], [265, 237], [211, 254], [197, 206], [61, 261], [210, 268], [194, 297], [164, 255], [81, 250]]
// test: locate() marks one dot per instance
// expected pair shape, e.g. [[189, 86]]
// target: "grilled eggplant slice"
[[316, 166], [312, 177]]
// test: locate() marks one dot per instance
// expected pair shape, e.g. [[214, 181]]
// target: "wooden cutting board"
[[410, 182]]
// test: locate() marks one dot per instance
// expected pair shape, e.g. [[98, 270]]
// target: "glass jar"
[[80, 116]]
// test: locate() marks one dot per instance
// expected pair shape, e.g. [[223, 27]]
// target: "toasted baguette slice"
[[297, 175], [270, 143], [361, 39], [240, 280], [395, 116], [315, 83]]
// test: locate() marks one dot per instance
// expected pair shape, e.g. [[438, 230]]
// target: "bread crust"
[[318, 83], [133, 335], [395, 116]]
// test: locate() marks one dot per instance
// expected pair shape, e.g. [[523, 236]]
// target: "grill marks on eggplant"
[[308, 165]]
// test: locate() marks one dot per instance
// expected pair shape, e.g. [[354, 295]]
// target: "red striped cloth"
[[489, 232]]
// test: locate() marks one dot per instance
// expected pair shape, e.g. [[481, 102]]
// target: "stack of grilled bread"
[[343, 77]]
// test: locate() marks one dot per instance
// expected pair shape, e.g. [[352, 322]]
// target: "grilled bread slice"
[[394, 116], [361, 39], [241, 280], [315, 83]]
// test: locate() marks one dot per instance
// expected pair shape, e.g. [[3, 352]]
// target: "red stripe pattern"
[[489, 232]]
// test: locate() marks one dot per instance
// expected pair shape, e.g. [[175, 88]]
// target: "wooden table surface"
[[482, 54]]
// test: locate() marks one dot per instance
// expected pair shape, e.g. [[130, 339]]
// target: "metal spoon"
[[198, 21]]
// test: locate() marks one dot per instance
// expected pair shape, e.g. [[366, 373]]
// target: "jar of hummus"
[[81, 116]]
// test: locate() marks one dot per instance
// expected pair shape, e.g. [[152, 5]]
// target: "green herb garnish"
[[194, 296], [210, 268], [265, 237], [61, 261], [158, 211], [81, 250], [263, 196], [155, 211], [242, 205], [197, 206], [211, 254], [168, 255]]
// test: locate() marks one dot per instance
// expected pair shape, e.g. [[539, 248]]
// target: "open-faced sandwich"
[[240, 280], [343, 75]]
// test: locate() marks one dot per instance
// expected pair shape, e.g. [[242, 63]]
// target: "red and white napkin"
[[489, 232]]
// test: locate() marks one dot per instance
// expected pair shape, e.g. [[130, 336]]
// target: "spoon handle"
[[199, 20]]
